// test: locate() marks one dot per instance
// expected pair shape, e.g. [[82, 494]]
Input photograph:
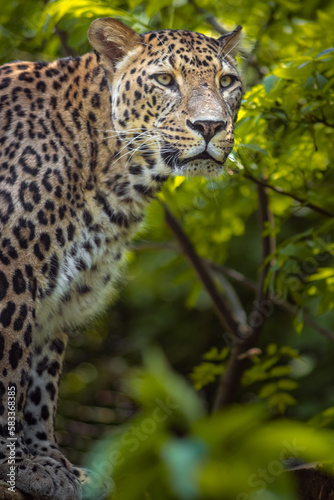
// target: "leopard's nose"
[[207, 128]]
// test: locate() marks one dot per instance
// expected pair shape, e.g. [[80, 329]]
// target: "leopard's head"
[[175, 94]]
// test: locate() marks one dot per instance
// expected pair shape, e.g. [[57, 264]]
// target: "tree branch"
[[239, 312], [243, 280], [66, 50], [279, 190], [233, 274], [230, 381], [210, 18], [262, 291], [316, 119], [221, 308], [285, 306]]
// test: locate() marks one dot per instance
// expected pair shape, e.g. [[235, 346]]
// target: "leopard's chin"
[[199, 167]]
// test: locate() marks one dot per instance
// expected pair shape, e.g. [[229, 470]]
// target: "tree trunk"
[[314, 484]]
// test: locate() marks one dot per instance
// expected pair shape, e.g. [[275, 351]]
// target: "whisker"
[[227, 53], [167, 48], [132, 152]]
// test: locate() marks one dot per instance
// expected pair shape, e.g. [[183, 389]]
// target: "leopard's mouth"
[[202, 156], [171, 156]]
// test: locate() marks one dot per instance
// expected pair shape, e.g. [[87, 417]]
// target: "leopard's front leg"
[[40, 414], [42, 398], [43, 477]]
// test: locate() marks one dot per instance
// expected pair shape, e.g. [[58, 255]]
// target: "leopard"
[[85, 144]]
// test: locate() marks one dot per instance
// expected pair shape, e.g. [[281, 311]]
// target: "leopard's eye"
[[226, 81], [164, 79]]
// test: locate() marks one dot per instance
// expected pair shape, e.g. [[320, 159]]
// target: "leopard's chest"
[[86, 276]]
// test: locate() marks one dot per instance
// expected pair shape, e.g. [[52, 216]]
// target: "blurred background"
[[284, 139]]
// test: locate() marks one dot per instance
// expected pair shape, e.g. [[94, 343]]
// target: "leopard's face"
[[176, 95]]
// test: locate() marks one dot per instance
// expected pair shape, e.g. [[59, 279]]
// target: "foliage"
[[284, 140], [172, 450], [272, 367]]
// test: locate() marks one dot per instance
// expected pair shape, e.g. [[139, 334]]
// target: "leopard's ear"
[[229, 43], [112, 40]]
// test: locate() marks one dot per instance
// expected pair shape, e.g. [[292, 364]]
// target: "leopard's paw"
[[44, 479]]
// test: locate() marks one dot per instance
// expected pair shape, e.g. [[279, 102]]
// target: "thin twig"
[[221, 308], [308, 320], [279, 190], [284, 305], [233, 274], [316, 119]]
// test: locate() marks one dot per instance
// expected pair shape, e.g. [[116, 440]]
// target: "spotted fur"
[[85, 144]]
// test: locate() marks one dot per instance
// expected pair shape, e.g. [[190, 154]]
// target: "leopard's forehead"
[[182, 48], [185, 40]]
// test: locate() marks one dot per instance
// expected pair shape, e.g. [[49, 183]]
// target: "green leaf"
[[325, 52], [268, 390], [282, 400], [287, 384], [289, 351], [205, 374], [280, 371], [321, 80], [298, 322], [309, 85], [271, 349], [322, 274], [294, 73], [270, 82], [214, 355], [266, 364]]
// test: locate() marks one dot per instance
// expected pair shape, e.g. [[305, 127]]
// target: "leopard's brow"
[[228, 66], [163, 65]]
